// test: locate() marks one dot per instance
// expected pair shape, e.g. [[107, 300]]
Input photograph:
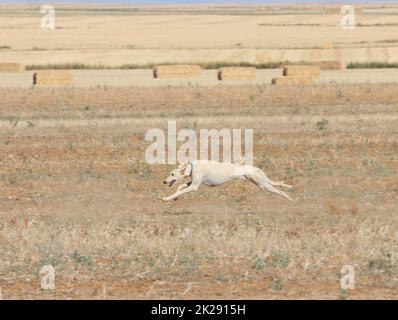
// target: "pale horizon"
[[190, 2]]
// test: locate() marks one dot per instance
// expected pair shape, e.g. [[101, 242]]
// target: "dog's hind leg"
[[261, 180], [260, 176], [280, 183], [270, 188]]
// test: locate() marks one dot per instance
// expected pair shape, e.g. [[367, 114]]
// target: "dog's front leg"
[[180, 187], [180, 192]]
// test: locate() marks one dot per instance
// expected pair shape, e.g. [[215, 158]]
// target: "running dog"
[[212, 173]]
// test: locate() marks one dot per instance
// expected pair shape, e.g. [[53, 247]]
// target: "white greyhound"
[[212, 173]]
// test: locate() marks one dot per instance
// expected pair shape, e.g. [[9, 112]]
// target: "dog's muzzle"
[[170, 183]]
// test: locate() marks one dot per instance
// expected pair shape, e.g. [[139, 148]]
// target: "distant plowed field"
[[140, 35], [77, 193]]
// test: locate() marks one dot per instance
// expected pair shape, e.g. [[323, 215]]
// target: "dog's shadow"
[[204, 207]]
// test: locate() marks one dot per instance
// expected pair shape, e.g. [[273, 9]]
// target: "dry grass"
[[112, 102], [372, 65], [205, 65], [78, 194]]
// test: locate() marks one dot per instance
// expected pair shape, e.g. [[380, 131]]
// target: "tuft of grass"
[[80, 258], [204, 65], [379, 266], [279, 259], [259, 263], [277, 284], [66, 66], [372, 65], [321, 125], [213, 65], [344, 294], [240, 198]]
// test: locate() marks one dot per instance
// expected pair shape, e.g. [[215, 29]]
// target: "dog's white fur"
[[212, 173]]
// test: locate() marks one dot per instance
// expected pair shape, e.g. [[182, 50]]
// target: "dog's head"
[[178, 174]]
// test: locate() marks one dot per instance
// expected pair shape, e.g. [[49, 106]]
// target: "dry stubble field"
[[77, 193]]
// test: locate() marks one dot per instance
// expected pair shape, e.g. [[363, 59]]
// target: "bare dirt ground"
[[77, 193], [144, 78]]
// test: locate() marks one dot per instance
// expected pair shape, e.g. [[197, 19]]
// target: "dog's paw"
[[166, 199]]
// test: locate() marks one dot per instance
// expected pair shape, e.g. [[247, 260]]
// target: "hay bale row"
[[176, 71], [292, 80], [12, 67], [52, 78], [302, 71], [298, 75], [186, 71], [332, 65], [237, 73], [305, 74]]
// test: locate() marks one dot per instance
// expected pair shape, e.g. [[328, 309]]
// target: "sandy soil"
[[78, 194]]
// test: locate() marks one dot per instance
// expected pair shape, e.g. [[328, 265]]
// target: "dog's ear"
[[183, 169]]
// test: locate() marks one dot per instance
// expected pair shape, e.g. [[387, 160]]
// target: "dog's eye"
[[172, 174]]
